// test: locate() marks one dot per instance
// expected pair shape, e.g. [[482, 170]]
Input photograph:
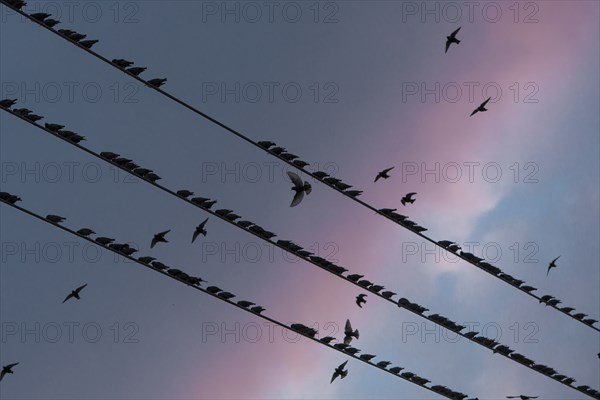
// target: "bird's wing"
[[348, 327], [485, 102], [80, 288], [447, 45], [12, 365], [68, 297], [297, 199], [411, 194], [161, 234], [553, 261], [335, 375], [295, 179], [403, 201], [196, 233], [308, 189], [455, 32], [385, 171], [342, 366], [203, 223], [549, 267], [377, 177], [474, 112], [2, 375], [153, 243]]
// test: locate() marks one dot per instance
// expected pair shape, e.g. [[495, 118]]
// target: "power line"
[[450, 395], [482, 341], [311, 174]]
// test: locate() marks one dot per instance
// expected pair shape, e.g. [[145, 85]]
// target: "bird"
[[119, 62], [7, 369], [349, 333], [200, 230], [158, 82], [75, 293], [55, 218], [327, 339], [481, 107], [452, 39], [383, 174], [185, 193], [552, 265], [408, 198], [522, 397], [266, 144], [136, 70], [159, 237], [245, 303], [360, 300], [339, 371], [85, 232], [299, 187], [88, 43], [7, 103], [53, 127], [50, 23], [41, 16]]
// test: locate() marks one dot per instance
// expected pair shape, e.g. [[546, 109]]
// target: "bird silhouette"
[[552, 265], [452, 39], [55, 218], [50, 22], [159, 237], [158, 82], [136, 70], [7, 369], [408, 198], [349, 333], [7, 103], [41, 16], [522, 397], [339, 371], [360, 300], [85, 232], [481, 107], [75, 293], [383, 174], [200, 230], [119, 62], [299, 187], [185, 193]]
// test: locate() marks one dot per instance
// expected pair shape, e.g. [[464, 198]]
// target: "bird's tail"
[[356, 333], [457, 41]]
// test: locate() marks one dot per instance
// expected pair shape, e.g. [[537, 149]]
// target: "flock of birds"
[[301, 188]]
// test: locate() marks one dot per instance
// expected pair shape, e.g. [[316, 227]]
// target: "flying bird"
[[522, 397], [159, 237], [349, 333], [75, 293], [552, 265], [383, 174], [7, 369], [481, 107], [408, 198], [360, 300], [452, 39], [200, 230], [299, 187], [339, 371]]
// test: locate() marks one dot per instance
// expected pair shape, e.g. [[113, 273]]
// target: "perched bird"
[[552, 265], [7, 103], [367, 357], [388, 294], [354, 193], [481, 107], [158, 82], [7, 369], [383, 364], [85, 232], [185, 193], [300, 163], [266, 144], [146, 259], [53, 127], [88, 43], [136, 70], [522, 397], [109, 155], [119, 62], [327, 339], [408, 198], [104, 240], [245, 303], [159, 237], [452, 39], [75, 293], [76, 37], [383, 174], [257, 309], [567, 309], [339, 371], [39, 16], [55, 218], [299, 187], [349, 333], [50, 23], [200, 230], [360, 300]]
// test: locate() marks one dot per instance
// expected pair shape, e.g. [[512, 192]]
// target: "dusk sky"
[[352, 87]]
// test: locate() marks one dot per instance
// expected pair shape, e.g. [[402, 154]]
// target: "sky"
[[352, 87]]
